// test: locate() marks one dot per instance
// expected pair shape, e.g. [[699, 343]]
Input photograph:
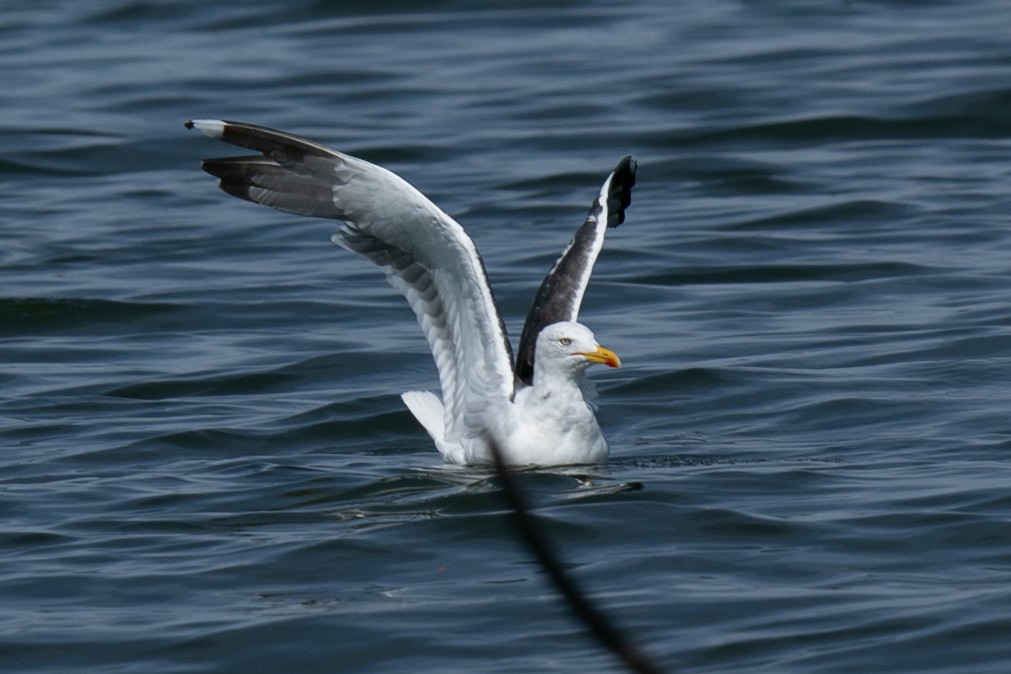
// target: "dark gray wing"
[[425, 253], [561, 292]]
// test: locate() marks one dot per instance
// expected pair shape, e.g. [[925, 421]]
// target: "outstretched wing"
[[425, 253], [561, 292]]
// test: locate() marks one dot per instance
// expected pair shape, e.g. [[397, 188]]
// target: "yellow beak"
[[602, 356]]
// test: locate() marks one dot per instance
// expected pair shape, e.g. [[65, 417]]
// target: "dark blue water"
[[204, 462]]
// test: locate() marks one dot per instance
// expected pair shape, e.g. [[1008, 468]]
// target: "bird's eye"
[[565, 341]]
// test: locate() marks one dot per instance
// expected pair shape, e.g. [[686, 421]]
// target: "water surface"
[[204, 462]]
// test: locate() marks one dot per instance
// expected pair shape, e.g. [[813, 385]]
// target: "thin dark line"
[[593, 618]]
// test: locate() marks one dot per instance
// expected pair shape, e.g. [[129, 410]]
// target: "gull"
[[537, 409]]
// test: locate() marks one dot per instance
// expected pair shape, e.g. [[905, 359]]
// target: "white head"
[[570, 346]]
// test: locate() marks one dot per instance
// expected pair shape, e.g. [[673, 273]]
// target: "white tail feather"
[[428, 410]]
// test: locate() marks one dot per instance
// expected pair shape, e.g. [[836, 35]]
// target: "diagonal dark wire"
[[597, 622]]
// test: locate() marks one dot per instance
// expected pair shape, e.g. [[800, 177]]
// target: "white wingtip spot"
[[213, 128]]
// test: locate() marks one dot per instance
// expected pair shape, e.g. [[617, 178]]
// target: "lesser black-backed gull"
[[535, 409]]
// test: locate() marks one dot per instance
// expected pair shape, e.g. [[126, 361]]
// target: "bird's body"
[[534, 410], [550, 418]]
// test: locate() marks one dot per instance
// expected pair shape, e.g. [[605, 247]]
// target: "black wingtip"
[[619, 195], [188, 123], [627, 165]]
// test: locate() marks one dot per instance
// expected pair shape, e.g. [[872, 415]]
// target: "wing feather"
[[426, 254], [561, 292]]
